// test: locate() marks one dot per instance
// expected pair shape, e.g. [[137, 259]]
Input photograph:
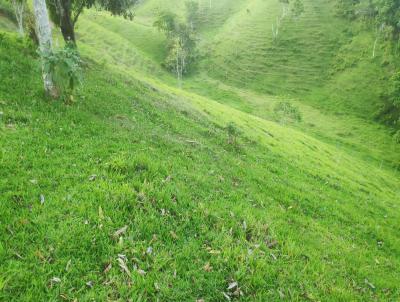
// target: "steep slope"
[[318, 58], [137, 48], [126, 154], [212, 187], [7, 19], [246, 54]]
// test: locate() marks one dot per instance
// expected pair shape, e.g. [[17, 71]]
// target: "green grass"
[[295, 211]]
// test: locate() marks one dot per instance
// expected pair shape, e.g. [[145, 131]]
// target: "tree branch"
[[75, 19]]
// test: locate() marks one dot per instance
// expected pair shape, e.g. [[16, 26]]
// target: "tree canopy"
[[65, 13], [382, 12]]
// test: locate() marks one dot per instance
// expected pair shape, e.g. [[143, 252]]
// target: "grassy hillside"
[[141, 190], [7, 18], [137, 49]]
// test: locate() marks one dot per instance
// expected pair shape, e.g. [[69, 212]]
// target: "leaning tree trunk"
[[66, 23], [45, 43], [67, 29]]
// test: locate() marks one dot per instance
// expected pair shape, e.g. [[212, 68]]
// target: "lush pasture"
[[144, 191]]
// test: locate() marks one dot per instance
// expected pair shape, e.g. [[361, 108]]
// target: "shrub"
[[396, 137], [65, 67], [389, 112], [285, 111], [233, 133]]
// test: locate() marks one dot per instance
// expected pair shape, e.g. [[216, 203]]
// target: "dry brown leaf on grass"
[[234, 289], [369, 284], [92, 177], [89, 284], [54, 280], [232, 285], [207, 267], [226, 296], [123, 266], [271, 244], [173, 235], [64, 297], [120, 231], [107, 268], [141, 272]]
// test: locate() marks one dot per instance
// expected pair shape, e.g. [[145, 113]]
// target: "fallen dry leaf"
[[123, 266], [232, 285], [120, 231], [167, 179], [107, 268], [369, 284], [55, 280], [173, 235], [89, 284], [64, 297], [226, 296], [207, 267], [141, 272], [271, 244]]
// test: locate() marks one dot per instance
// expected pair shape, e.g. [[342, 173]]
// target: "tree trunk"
[[45, 43], [374, 48], [19, 7], [66, 23]]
